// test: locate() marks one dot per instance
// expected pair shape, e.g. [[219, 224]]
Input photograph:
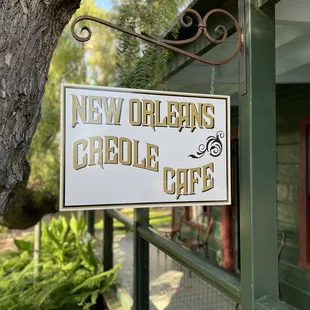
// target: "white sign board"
[[137, 148]]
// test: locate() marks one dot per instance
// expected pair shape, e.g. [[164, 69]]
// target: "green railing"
[[223, 281], [144, 235]]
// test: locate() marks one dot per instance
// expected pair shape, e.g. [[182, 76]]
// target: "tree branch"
[[27, 206], [28, 37]]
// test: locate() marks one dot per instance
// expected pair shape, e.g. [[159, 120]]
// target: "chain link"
[[212, 80]]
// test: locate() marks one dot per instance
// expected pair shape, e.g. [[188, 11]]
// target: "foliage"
[[70, 275], [140, 65], [72, 62], [94, 62], [3, 230]]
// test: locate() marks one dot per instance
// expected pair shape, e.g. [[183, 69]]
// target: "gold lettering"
[[128, 147], [170, 191], [193, 179], [109, 149], [151, 157], [113, 110], [182, 182], [172, 114], [148, 112], [95, 150], [132, 120], [196, 116], [78, 110], [93, 110], [184, 116], [208, 124], [76, 145], [157, 116], [136, 156], [207, 177]]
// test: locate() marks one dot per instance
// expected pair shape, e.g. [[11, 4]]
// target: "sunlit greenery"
[[89, 63], [140, 64], [159, 217], [69, 276]]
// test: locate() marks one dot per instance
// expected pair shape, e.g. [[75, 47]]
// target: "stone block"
[[287, 193], [287, 153], [287, 174]]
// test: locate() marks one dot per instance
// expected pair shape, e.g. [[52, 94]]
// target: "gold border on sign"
[[62, 206]]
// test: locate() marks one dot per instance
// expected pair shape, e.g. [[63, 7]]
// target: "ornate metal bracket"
[[187, 21]]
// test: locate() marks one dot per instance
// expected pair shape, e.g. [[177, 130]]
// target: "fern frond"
[[57, 286], [94, 281], [47, 292]]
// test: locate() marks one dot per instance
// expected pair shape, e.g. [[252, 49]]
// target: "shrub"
[[69, 276]]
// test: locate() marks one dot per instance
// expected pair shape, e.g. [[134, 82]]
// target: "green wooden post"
[[107, 241], [257, 123], [141, 262], [90, 217]]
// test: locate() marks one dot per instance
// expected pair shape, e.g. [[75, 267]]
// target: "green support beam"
[[257, 124], [222, 280], [107, 241], [122, 218], [268, 303], [141, 262], [90, 218]]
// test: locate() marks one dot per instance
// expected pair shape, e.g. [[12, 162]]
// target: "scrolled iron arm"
[[186, 20]]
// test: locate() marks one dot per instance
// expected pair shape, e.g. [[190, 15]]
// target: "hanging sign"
[[137, 148]]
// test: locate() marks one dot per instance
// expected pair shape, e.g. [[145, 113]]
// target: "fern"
[[70, 276], [49, 290], [95, 280]]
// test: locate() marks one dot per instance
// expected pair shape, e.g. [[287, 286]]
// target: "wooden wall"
[[293, 101]]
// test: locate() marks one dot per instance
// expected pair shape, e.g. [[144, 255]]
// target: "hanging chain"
[[212, 80]]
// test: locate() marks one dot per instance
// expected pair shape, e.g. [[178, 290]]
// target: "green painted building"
[[291, 120]]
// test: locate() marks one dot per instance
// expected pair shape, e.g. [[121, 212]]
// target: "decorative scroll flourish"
[[213, 146], [188, 18]]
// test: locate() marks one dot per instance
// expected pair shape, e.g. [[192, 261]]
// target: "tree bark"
[[28, 36], [27, 206]]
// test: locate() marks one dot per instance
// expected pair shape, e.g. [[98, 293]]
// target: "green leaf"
[[85, 259], [65, 231], [72, 266], [74, 225], [94, 297], [23, 245], [94, 281], [48, 290], [92, 258], [8, 297], [53, 238], [81, 225]]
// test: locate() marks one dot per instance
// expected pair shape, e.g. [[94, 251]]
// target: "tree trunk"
[[28, 36]]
